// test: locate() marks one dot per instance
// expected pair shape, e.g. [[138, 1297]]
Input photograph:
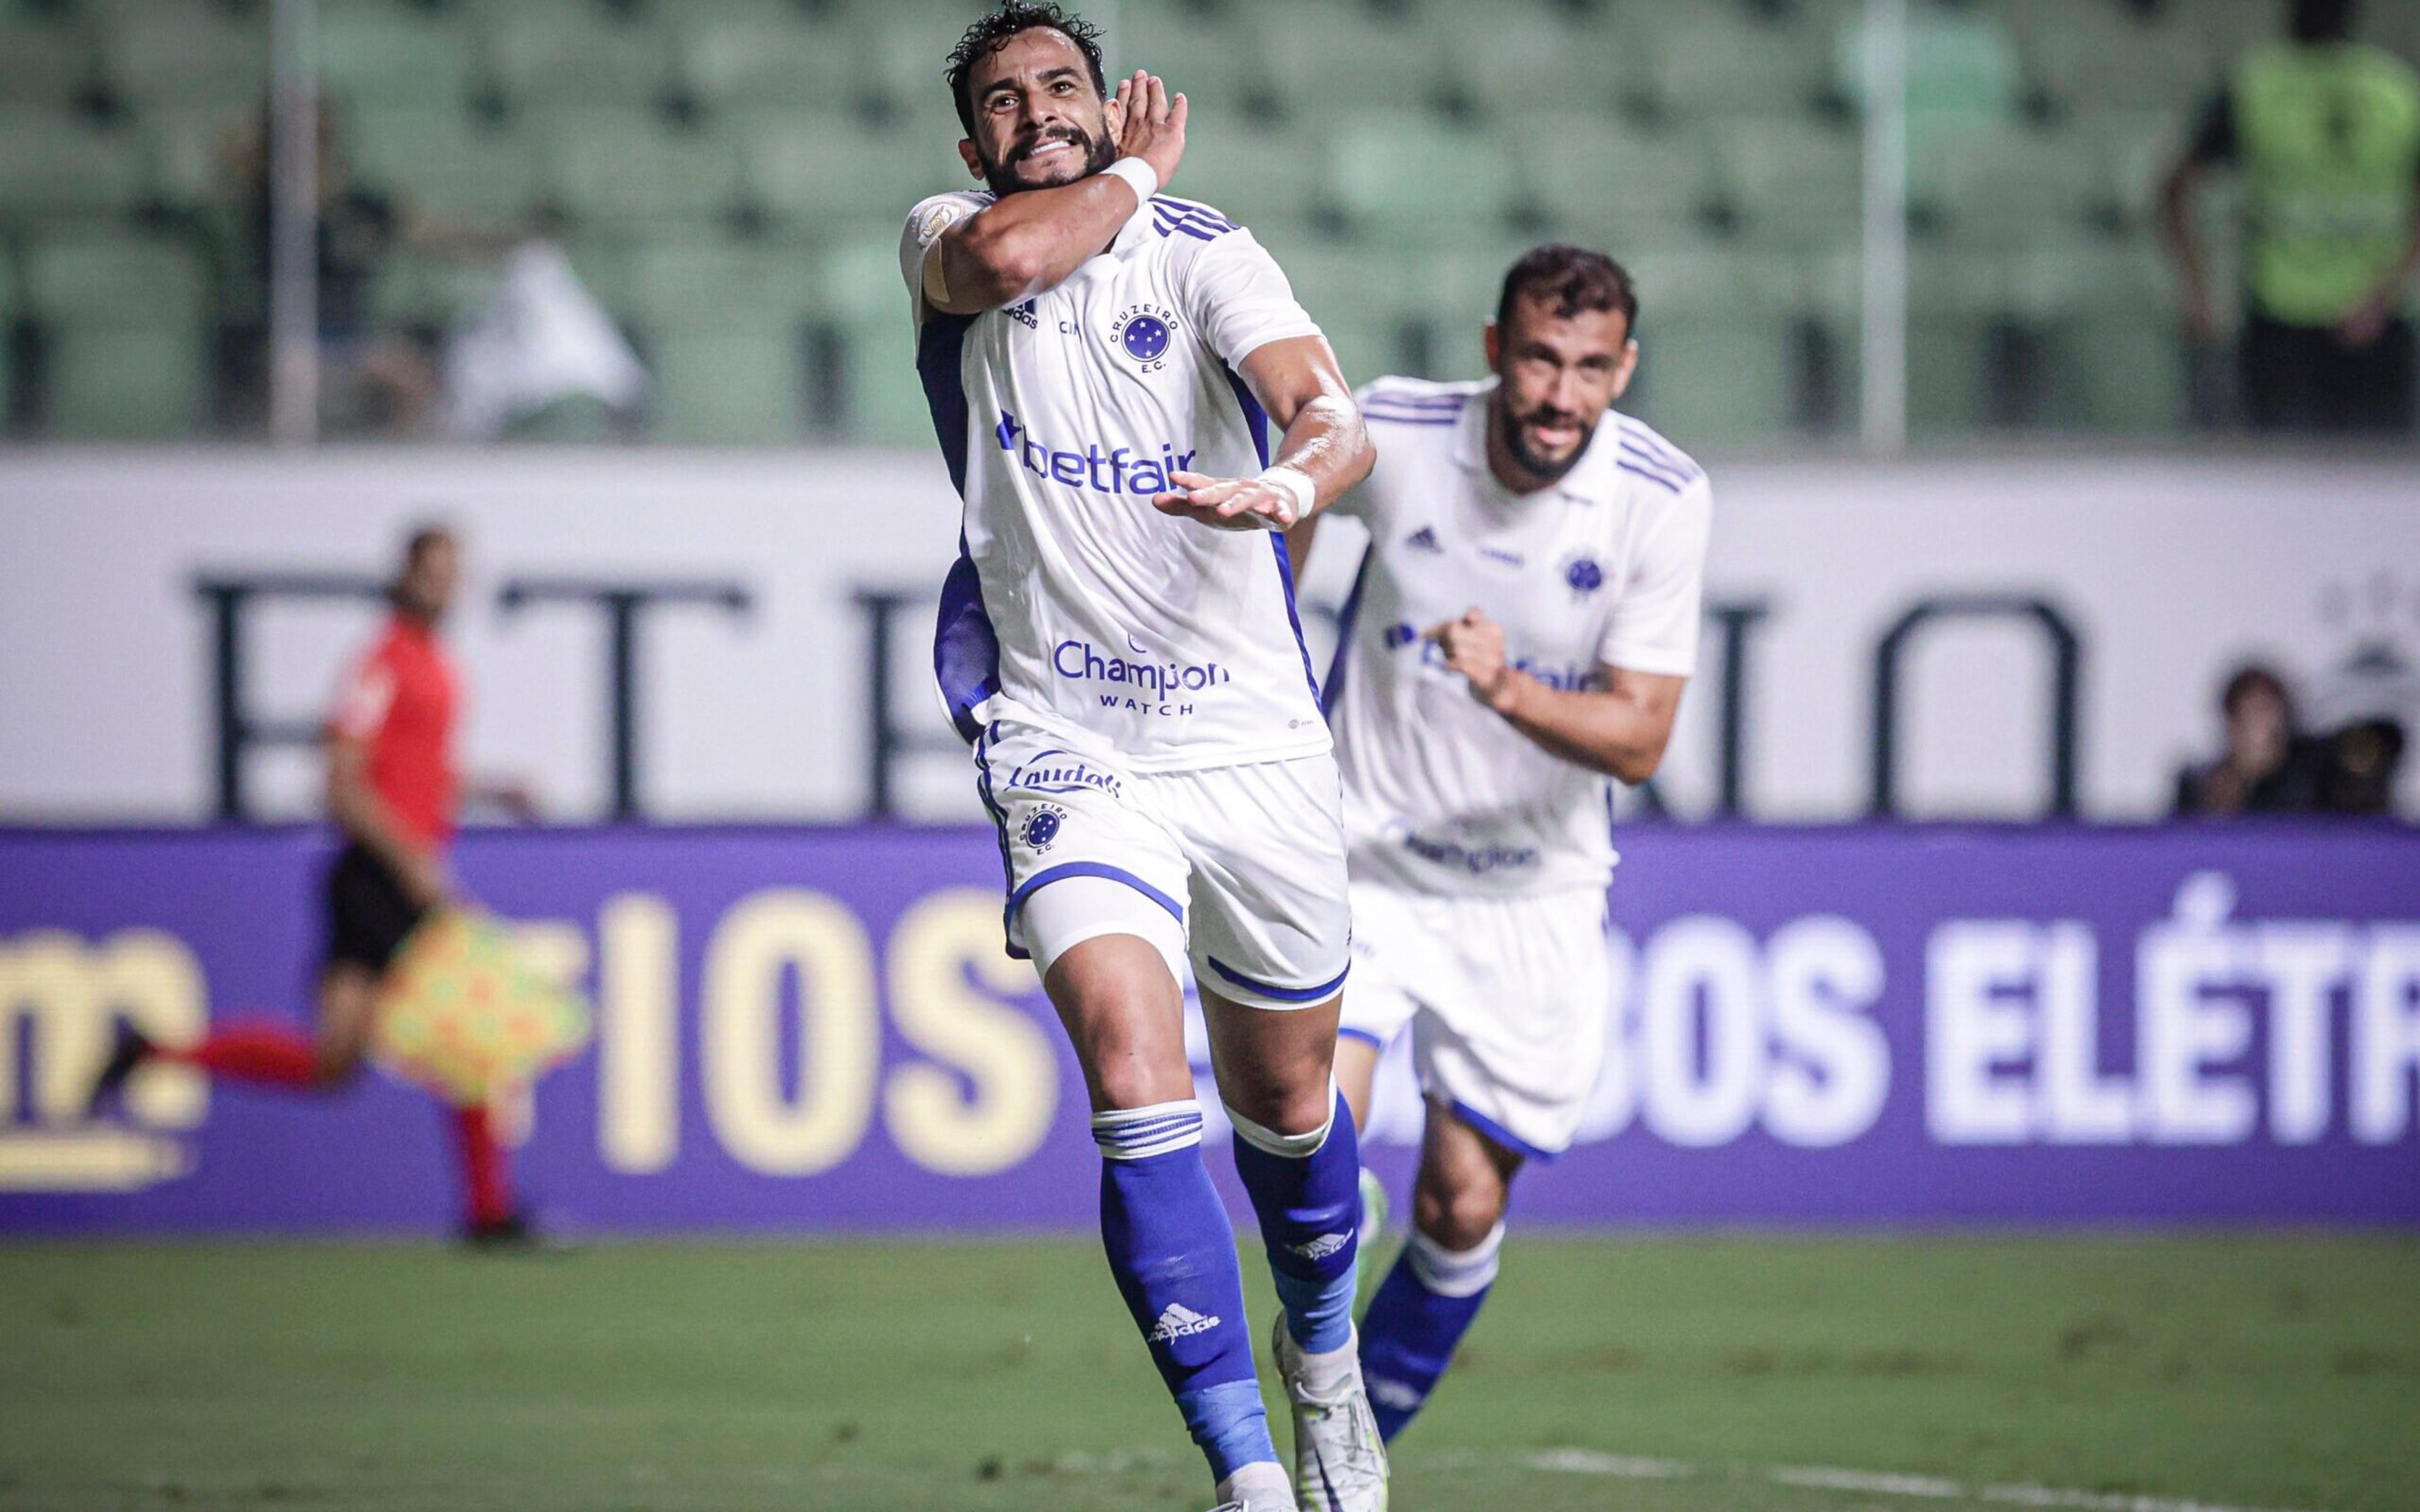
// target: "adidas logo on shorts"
[[1322, 1248], [1179, 1321]]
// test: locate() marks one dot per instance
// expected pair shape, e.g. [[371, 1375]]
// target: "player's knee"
[[1286, 1107], [1458, 1215]]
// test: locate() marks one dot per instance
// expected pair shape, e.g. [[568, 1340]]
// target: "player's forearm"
[[1327, 444], [1603, 732], [1032, 242]]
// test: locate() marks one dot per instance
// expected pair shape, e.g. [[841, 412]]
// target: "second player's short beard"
[[1099, 153], [1507, 427]]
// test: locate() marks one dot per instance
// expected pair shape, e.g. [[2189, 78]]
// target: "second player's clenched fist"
[[1474, 646], [1151, 124]]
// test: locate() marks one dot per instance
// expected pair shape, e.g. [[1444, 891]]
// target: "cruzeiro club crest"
[[1041, 827], [1144, 333], [1583, 577]]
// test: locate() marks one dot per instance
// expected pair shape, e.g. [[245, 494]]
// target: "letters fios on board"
[[1718, 1034]]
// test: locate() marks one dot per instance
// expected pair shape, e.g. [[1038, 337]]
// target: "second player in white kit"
[[1517, 637]]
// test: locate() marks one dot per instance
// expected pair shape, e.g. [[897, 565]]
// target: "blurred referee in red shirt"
[[393, 790]]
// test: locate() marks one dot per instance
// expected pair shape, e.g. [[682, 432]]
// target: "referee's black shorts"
[[368, 912]]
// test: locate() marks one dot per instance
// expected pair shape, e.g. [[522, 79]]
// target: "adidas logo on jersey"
[[1322, 1248], [1178, 1321], [1423, 539]]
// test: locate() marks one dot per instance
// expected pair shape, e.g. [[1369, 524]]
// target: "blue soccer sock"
[[1421, 1310], [1307, 1190], [1173, 1254]]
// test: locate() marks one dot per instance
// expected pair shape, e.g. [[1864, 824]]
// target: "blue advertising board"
[[817, 1029]]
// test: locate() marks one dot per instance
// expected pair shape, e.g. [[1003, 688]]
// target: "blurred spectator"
[[2363, 759], [370, 380], [2326, 133], [2268, 766]]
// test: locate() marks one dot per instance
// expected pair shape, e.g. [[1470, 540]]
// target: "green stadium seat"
[[812, 174], [1716, 347], [1707, 63], [728, 385], [184, 52], [1958, 300], [1213, 60], [767, 53], [1795, 184], [720, 284], [1599, 180], [43, 61], [442, 160], [2114, 347], [2109, 56], [903, 50], [1963, 72], [376, 52], [2011, 186], [1406, 173], [1533, 61], [54, 165], [186, 145], [1345, 57], [882, 399], [1255, 174], [2131, 152], [623, 165], [567, 51], [123, 336]]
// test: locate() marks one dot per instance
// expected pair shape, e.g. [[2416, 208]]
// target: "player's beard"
[[1099, 153], [1516, 443]]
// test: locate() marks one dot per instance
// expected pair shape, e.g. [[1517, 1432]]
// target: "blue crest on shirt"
[[1584, 576], [1145, 338]]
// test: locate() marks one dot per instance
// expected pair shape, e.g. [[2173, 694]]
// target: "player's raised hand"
[[1151, 124], [1474, 646], [1227, 503]]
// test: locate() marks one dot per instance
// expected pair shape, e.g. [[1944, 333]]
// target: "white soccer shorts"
[[1507, 999], [1247, 860]]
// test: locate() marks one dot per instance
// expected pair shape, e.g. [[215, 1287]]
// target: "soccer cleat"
[[1373, 1208], [1257, 1488], [131, 1048], [1340, 1461]]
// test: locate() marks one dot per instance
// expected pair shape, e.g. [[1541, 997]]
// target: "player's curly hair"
[[1568, 280], [992, 32]]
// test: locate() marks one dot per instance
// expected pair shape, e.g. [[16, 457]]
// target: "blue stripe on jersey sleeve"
[[966, 648]]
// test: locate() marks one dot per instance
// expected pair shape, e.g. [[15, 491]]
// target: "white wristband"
[[1140, 177], [1296, 485]]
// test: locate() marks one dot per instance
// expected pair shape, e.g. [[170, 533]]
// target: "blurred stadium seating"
[[728, 175]]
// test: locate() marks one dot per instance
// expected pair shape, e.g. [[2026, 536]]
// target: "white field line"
[[1806, 1477]]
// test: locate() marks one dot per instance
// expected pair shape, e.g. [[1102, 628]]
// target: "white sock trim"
[[1137, 1134], [1290, 1146], [1448, 1274]]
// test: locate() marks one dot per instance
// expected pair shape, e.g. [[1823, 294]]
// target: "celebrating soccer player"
[[1520, 631], [1117, 640], [391, 789]]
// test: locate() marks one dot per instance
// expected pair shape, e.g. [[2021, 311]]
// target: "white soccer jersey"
[[1077, 607], [1442, 795]]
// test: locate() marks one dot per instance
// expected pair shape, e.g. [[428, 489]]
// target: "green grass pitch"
[[1662, 1374]]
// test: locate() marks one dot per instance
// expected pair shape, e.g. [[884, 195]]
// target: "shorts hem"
[[1500, 1135], [1090, 868], [1374, 1042], [1286, 997]]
